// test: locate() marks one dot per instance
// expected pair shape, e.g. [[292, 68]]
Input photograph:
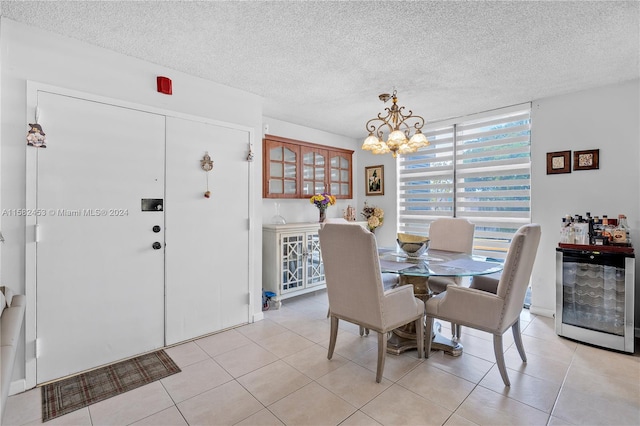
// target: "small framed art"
[[586, 160], [558, 162], [374, 180]]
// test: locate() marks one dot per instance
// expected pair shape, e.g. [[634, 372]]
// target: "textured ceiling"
[[322, 64]]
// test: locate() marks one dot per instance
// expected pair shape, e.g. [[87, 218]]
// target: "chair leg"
[[517, 336], [333, 336], [382, 353], [428, 328], [456, 330], [420, 336], [497, 349]]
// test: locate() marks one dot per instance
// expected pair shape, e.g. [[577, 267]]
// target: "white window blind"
[[479, 168]]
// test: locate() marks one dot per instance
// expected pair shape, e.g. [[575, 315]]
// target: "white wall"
[[386, 234], [32, 54], [605, 118]]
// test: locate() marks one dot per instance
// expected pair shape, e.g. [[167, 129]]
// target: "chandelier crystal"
[[398, 126]]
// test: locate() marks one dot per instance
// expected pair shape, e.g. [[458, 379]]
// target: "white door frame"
[[31, 116]]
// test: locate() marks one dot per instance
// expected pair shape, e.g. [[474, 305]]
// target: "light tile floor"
[[276, 372]]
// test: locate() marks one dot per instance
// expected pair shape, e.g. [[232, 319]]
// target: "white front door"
[[207, 238], [100, 282]]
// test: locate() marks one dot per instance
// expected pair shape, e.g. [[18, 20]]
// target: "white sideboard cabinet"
[[291, 260]]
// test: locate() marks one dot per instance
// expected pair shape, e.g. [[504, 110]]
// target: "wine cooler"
[[595, 295]]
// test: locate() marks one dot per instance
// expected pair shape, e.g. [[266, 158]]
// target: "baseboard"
[[17, 386], [550, 313], [258, 317]]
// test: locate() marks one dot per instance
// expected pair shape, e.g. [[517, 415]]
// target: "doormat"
[[70, 394]]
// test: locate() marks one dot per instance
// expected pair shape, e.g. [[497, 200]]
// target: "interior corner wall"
[[387, 233], [299, 210], [605, 118], [31, 54]]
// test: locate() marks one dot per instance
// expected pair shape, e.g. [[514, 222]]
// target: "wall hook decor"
[[36, 136], [250, 155], [207, 165]]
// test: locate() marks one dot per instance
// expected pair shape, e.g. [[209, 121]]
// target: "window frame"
[[477, 167]]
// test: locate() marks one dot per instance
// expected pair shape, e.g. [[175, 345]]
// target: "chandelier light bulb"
[[396, 139], [418, 140], [371, 142]]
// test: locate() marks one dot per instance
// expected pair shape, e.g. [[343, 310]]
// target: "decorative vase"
[[323, 214], [277, 219]]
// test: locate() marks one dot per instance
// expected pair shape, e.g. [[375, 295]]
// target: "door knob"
[[157, 246], [156, 229]]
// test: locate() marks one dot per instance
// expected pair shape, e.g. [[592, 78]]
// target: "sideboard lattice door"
[[292, 262], [315, 267]]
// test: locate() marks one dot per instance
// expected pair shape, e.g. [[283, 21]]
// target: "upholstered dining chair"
[[450, 234], [356, 290], [489, 304]]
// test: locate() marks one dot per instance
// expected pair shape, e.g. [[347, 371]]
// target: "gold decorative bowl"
[[413, 245]]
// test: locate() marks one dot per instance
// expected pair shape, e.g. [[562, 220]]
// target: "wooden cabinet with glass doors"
[[297, 169]]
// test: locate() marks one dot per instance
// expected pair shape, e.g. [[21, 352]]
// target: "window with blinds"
[[476, 167]]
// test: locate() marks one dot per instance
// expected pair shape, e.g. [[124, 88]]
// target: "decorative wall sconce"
[[207, 165]]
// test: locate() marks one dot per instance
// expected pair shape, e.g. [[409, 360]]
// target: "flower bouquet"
[[322, 201], [374, 216]]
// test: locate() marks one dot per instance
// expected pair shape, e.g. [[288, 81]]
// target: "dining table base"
[[404, 338]]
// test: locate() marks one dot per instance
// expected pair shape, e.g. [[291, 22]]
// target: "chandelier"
[[398, 127]]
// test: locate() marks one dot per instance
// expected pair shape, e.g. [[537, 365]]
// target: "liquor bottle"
[[621, 233], [591, 231]]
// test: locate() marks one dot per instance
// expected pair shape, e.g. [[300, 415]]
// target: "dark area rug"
[[73, 393]]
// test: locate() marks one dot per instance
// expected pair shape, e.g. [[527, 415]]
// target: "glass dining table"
[[416, 271]]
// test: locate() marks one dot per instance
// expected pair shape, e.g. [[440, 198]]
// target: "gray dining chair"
[[450, 234], [356, 290], [492, 305]]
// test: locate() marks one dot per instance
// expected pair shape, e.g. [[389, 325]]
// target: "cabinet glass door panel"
[[340, 175], [276, 154], [290, 171], [307, 188], [281, 166], [290, 155], [289, 187], [276, 170], [313, 171], [593, 290], [292, 262], [275, 186], [315, 267]]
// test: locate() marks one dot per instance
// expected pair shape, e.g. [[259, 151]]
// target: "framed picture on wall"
[[558, 162], [586, 160], [374, 180]]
